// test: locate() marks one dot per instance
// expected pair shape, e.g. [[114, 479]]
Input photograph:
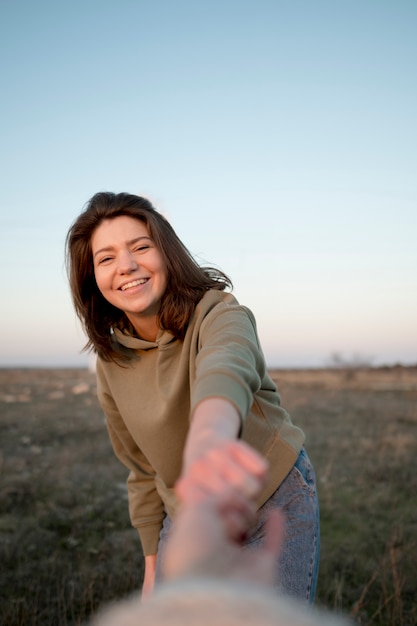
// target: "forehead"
[[118, 230]]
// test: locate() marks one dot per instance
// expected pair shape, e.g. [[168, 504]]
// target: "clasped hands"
[[218, 492]]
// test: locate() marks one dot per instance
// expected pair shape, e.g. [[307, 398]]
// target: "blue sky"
[[279, 138]]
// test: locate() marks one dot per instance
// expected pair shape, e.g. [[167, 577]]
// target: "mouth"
[[133, 283]]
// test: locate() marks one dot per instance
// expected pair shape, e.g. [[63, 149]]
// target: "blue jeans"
[[297, 568], [298, 564]]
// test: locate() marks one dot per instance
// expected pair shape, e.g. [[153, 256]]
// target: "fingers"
[[247, 457], [236, 511], [233, 474], [240, 466], [213, 475], [238, 514], [233, 464]]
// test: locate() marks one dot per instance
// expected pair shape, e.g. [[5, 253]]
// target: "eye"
[[105, 259], [141, 248]]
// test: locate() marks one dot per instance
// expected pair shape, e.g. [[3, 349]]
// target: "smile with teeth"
[[134, 283]]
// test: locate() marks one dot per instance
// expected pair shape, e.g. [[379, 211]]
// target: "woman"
[[183, 383]]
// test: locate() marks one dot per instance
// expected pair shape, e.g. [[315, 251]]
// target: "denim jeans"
[[298, 564]]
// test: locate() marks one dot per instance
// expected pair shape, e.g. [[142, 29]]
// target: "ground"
[[67, 546]]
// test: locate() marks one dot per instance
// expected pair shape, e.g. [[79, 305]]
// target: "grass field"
[[66, 542]]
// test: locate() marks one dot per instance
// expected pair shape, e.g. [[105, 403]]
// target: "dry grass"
[[66, 542], [361, 431]]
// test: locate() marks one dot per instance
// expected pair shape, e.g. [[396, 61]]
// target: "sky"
[[278, 137]]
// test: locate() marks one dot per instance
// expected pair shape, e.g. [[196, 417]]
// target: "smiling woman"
[[190, 407], [186, 281]]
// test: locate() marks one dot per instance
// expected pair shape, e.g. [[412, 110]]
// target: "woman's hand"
[[234, 474], [226, 463]]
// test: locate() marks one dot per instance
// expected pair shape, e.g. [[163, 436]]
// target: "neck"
[[146, 328]]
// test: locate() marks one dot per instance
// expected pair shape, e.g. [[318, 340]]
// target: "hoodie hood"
[[135, 343]]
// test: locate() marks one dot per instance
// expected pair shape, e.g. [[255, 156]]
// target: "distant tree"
[[355, 361]]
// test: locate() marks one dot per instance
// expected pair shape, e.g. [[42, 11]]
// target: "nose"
[[126, 263]]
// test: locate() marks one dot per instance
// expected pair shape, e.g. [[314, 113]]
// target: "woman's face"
[[130, 271]]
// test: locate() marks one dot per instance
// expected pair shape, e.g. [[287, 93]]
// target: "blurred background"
[[278, 137]]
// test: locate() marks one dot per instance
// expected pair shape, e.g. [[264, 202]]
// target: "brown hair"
[[187, 281]]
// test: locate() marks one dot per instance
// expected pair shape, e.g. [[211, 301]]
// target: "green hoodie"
[[148, 403]]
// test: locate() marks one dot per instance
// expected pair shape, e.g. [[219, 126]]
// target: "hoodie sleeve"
[[230, 363]]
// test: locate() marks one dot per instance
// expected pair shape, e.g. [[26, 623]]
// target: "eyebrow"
[[129, 243]]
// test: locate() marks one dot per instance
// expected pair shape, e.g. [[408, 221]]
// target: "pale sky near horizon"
[[279, 138]]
